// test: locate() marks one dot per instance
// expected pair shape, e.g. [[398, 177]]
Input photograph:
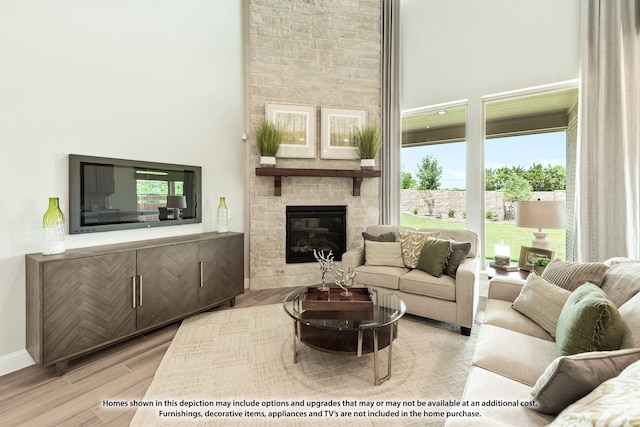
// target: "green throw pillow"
[[589, 321], [434, 255]]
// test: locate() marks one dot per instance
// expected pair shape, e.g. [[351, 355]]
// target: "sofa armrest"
[[505, 288], [352, 259], [467, 292]]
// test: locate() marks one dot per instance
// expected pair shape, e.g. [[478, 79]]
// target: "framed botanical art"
[[337, 132], [527, 253], [298, 125]]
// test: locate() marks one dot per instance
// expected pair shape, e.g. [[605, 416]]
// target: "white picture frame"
[[337, 132], [298, 125]]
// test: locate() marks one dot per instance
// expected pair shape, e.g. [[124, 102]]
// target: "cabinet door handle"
[[133, 290], [201, 274], [140, 280]]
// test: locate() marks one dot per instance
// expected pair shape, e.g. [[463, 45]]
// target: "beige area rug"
[[246, 355]]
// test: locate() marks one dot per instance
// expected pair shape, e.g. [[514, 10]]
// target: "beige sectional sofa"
[[444, 298], [513, 352]]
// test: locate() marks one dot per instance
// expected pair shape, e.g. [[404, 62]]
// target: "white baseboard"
[[15, 361]]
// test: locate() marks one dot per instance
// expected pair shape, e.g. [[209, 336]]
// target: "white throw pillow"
[[383, 254], [542, 302]]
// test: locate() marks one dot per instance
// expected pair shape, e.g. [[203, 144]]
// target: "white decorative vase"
[[367, 163], [267, 161]]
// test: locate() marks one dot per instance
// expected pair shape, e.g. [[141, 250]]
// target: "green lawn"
[[495, 231]]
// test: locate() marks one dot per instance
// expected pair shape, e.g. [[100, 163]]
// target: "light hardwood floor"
[[36, 396]]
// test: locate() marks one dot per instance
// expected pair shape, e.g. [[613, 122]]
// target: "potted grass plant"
[[268, 140], [367, 141]]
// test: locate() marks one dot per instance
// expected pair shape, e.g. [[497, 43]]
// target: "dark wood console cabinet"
[[88, 298]]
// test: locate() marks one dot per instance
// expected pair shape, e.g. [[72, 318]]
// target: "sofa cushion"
[[541, 302], [500, 313], [622, 282], [412, 243], [384, 277], [459, 251], [484, 386], [611, 403], [513, 355], [588, 322], [630, 313], [569, 378], [384, 237], [421, 283], [433, 258], [383, 254], [570, 275]]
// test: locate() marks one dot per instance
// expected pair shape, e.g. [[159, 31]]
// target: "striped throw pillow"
[[570, 275]]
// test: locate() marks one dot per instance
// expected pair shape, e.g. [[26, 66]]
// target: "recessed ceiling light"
[[441, 112]]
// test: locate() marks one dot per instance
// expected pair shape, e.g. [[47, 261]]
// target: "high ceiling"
[[528, 114]]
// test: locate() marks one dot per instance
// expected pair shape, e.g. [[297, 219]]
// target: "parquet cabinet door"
[[222, 268], [168, 281], [86, 302]]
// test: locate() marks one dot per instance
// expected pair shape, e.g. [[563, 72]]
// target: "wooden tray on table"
[[361, 300]]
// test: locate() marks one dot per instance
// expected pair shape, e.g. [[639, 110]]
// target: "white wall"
[[459, 49], [464, 49], [157, 80]]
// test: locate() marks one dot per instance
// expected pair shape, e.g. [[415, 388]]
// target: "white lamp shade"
[[540, 214], [176, 202]]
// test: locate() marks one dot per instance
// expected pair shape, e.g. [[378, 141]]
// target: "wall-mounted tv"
[[115, 194]]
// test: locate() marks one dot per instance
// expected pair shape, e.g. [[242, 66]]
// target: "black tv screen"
[[115, 194]]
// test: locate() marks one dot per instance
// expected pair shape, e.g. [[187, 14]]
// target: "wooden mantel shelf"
[[356, 175]]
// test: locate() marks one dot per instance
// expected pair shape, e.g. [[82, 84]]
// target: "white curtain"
[[607, 169], [390, 163]]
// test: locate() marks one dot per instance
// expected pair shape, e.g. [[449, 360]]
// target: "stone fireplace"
[[320, 228], [268, 266]]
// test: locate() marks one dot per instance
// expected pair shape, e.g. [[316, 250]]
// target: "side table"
[[496, 272]]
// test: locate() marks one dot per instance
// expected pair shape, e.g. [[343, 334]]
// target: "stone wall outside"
[[438, 202]]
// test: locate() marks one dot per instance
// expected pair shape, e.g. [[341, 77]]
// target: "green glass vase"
[[53, 229]]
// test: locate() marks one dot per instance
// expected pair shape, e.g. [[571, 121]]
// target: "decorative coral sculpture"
[[347, 280]]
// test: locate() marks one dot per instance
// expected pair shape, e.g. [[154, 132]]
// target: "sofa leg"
[[465, 331]]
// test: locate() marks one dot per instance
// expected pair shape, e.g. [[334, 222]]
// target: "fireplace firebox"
[[315, 227]]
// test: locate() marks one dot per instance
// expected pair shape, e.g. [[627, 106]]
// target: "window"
[[525, 159], [434, 166]]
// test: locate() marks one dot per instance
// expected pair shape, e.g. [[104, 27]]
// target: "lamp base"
[[540, 240]]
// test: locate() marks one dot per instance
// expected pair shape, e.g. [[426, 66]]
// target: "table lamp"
[[177, 203], [540, 214]]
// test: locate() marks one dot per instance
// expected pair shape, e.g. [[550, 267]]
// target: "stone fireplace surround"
[[267, 217]]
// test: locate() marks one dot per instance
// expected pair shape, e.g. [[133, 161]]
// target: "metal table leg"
[[392, 332]]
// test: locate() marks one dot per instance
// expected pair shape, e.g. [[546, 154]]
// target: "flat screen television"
[[115, 194]]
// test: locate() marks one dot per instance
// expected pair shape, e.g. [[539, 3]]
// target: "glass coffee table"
[[356, 332]]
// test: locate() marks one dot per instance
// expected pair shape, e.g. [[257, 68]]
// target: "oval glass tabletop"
[[385, 309]]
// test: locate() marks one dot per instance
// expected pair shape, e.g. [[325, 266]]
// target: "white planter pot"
[[267, 162], [367, 163]]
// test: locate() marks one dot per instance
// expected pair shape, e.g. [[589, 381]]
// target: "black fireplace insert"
[[315, 227]]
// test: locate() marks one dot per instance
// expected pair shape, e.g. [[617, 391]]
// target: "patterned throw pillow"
[[412, 243], [614, 402]]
